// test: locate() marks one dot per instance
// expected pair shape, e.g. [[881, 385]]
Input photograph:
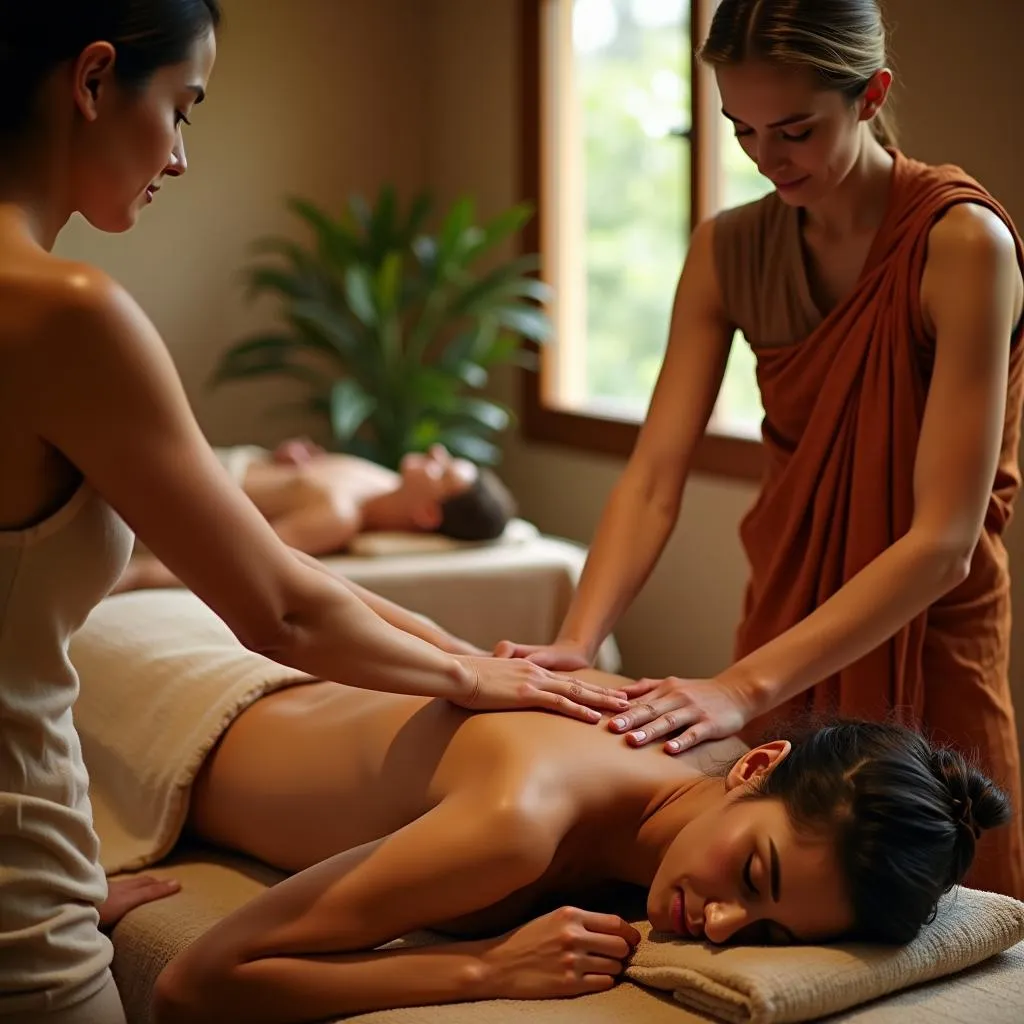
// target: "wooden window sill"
[[721, 455]]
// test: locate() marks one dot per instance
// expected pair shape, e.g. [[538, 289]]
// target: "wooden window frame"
[[716, 454]]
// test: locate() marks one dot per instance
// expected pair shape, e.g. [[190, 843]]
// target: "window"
[[623, 153]]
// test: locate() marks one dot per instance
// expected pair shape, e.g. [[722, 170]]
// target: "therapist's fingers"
[[575, 698], [619, 702], [664, 725], [641, 712], [510, 649], [699, 732], [641, 687], [582, 692], [559, 658]]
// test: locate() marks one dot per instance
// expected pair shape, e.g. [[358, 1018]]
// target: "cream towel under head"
[[782, 984]]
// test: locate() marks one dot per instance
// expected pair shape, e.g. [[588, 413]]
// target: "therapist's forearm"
[[399, 617], [632, 534], [869, 609]]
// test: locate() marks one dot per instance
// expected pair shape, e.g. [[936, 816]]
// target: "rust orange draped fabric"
[[843, 412]]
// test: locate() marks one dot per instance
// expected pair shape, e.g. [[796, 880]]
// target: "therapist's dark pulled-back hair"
[[904, 816], [37, 36]]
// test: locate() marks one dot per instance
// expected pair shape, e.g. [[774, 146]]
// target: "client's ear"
[[755, 764], [427, 515]]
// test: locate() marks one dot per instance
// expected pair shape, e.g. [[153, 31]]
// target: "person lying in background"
[[397, 813], [318, 501]]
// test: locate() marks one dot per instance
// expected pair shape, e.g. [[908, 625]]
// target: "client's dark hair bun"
[[976, 804], [904, 817]]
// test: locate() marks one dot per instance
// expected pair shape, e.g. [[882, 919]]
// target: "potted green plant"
[[393, 329]]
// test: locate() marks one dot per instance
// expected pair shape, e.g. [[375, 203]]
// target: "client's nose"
[[723, 920]]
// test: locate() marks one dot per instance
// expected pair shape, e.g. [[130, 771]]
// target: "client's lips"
[[681, 920], [678, 912]]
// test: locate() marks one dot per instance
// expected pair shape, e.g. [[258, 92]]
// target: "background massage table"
[[516, 588]]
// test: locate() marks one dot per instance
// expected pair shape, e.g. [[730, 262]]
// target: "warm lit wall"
[[960, 100], [317, 98], [320, 97]]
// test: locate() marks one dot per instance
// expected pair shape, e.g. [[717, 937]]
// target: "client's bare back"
[[316, 769]]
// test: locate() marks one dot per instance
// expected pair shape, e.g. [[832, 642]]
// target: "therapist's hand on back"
[[696, 709], [561, 656], [504, 684]]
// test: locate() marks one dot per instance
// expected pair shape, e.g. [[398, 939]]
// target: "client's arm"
[[305, 950]]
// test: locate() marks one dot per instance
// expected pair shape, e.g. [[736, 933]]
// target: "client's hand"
[[507, 684], [561, 656], [126, 894], [707, 709], [568, 952]]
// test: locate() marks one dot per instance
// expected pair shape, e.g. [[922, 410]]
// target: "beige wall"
[[320, 97], [317, 98]]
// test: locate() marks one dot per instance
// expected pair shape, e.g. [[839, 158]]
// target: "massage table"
[[161, 679], [213, 884]]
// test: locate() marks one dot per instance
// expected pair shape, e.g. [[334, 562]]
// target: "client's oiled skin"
[[397, 813], [316, 769]]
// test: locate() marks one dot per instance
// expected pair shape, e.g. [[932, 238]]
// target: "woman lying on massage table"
[[398, 813]]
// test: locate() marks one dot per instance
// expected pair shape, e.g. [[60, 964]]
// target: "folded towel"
[[386, 543], [138, 656], [785, 984]]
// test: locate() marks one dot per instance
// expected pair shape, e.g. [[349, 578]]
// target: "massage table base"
[[213, 884]]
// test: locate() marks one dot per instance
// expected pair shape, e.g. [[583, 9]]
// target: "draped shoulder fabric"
[[844, 396]]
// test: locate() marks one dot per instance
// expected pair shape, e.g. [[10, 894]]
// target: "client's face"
[[431, 478], [740, 872]]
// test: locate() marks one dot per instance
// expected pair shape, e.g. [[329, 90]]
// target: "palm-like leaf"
[[393, 329]]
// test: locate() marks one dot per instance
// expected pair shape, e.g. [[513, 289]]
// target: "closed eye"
[[748, 880]]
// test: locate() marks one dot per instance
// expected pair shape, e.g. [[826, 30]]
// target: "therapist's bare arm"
[[144, 572], [116, 408], [401, 618], [644, 504]]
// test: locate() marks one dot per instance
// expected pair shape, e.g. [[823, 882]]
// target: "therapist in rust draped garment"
[[883, 300]]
